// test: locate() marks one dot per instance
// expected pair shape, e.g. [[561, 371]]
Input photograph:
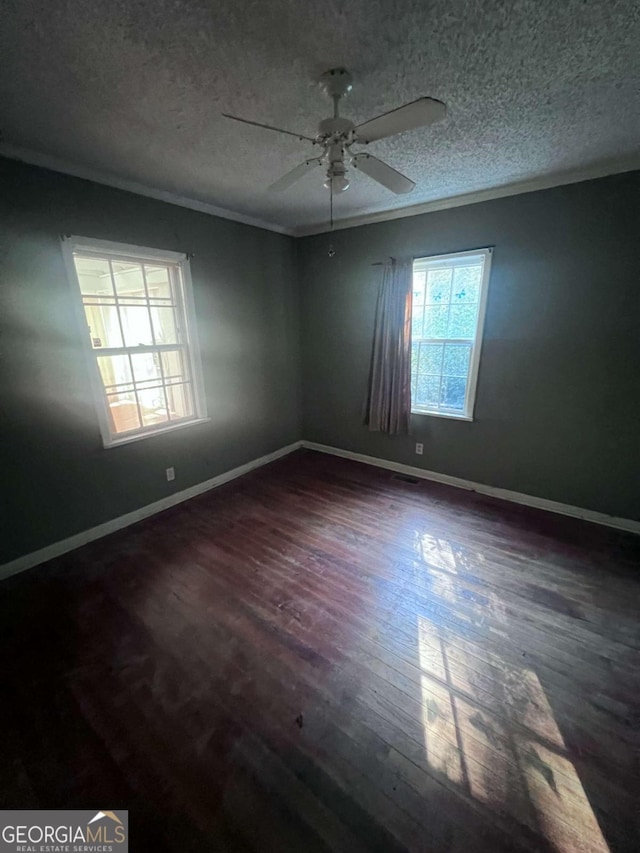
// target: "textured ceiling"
[[135, 88]]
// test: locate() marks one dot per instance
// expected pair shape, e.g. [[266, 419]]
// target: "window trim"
[[474, 366], [129, 252]]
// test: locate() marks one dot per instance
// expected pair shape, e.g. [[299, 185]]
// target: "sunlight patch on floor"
[[438, 719], [499, 741], [436, 552]]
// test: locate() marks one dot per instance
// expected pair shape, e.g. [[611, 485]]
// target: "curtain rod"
[[435, 257]]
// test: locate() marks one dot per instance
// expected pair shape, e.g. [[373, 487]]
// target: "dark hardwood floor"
[[320, 656]]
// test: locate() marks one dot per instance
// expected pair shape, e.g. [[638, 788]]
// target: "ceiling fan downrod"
[[335, 132]]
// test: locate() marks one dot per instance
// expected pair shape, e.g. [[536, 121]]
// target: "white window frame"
[[140, 254], [433, 262]]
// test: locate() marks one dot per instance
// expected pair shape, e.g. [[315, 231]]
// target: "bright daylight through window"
[[139, 338], [449, 297]]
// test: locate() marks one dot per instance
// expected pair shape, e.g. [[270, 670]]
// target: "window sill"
[[448, 415], [139, 436]]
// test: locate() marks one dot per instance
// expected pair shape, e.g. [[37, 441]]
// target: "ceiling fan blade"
[[418, 113], [295, 174], [383, 174], [270, 127]]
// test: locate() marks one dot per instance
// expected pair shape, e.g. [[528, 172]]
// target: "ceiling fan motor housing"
[[335, 128]]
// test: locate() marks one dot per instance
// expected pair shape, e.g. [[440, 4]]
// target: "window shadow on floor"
[[489, 728]]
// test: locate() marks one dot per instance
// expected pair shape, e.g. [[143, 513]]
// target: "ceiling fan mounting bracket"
[[336, 83]]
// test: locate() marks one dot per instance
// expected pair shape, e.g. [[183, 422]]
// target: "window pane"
[[453, 390], [428, 391], [414, 357], [136, 325], [158, 284], [439, 286], [146, 366], [104, 327], [153, 406], [180, 402], [466, 283], [128, 278], [418, 288], [435, 321], [151, 417], [172, 365], [93, 275], [456, 359], [115, 369], [164, 325], [462, 321], [416, 321], [430, 358], [123, 411]]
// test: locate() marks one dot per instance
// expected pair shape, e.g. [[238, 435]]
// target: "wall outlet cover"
[[419, 449], [171, 474]]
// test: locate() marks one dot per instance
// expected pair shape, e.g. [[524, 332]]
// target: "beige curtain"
[[389, 399]]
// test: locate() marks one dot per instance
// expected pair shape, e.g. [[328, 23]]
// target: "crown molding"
[[543, 182], [47, 161]]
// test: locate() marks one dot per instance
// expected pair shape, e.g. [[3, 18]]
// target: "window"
[[449, 298], [139, 334]]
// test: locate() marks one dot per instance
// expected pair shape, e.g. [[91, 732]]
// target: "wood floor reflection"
[[320, 656]]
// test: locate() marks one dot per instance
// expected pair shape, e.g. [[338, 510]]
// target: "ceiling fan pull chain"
[[331, 251], [331, 202]]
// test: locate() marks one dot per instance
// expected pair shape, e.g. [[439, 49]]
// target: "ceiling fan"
[[337, 135]]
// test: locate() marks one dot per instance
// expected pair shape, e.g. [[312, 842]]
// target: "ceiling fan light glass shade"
[[338, 183]]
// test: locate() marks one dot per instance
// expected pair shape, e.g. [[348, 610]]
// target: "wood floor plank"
[[327, 657]]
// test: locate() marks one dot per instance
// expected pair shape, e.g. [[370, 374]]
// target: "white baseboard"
[[494, 492], [28, 561]]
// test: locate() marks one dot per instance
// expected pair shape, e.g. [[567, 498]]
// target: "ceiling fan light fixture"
[[338, 183]]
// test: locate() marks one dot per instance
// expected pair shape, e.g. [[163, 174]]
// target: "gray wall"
[[56, 477], [558, 403]]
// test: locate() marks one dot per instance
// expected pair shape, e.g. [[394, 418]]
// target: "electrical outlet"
[[171, 474], [419, 449]]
